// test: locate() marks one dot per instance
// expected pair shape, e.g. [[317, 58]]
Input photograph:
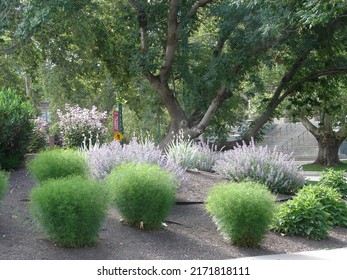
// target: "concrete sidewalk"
[[333, 254]]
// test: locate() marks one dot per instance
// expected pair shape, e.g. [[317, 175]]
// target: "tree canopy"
[[203, 58]]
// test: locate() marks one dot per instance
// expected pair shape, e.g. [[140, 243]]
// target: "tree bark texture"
[[328, 150], [27, 85], [329, 141]]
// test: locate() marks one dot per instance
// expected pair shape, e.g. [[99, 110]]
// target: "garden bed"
[[189, 232]]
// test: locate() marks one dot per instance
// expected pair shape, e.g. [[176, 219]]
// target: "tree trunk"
[[328, 150], [27, 85], [179, 121], [176, 127], [258, 124], [329, 141]]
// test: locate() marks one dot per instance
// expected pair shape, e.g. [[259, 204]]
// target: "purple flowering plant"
[[102, 160], [275, 169], [192, 155]]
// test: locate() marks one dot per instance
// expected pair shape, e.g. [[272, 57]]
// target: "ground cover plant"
[[69, 210], [276, 170], [16, 124], [335, 179], [102, 160], [330, 198], [3, 183], [241, 211], [304, 215], [57, 163], [143, 193]]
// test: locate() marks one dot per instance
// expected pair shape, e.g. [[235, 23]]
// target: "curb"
[[332, 254]]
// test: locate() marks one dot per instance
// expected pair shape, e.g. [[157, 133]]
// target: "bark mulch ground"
[[189, 232]]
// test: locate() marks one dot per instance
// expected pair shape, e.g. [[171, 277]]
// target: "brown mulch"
[[189, 232]]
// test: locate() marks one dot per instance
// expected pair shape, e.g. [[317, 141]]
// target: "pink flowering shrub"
[[77, 123], [275, 169], [102, 160]]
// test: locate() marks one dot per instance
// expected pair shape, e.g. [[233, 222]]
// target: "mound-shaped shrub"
[[305, 216], [335, 179], [276, 170], [69, 210], [241, 211], [143, 193], [57, 163], [330, 198], [3, 183]]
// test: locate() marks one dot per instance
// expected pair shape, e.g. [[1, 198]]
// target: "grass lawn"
[[311, 182], [312, 167]]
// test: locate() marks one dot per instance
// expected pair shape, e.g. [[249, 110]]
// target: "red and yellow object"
[[118, 136]]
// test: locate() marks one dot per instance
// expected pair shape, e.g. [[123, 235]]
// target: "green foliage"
[[335, 179], [189, 154], [16, 126], [241, 211], [84, 61], [69, 210], [248, 126], [9, 76], [38, 141], [304, 216], [182, 152], [3, 183], [145, 117], [57, 163], [143, 193], [320, 12], [330, 198]]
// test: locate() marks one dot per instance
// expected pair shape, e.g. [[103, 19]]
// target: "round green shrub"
[[3, 183], [16, 128], [57, 163], [330, 198], [143, 193], [303, 216], [69, 210], [241, 211], [335, 179]]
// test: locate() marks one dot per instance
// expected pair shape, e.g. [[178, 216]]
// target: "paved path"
[[333, 254]]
